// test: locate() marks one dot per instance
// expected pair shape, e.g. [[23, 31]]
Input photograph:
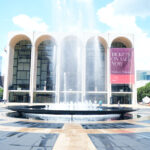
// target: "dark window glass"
[[21, 66], [46, 66], [121, 98], [121, 88], [19, 97], [118, 45], [44, 98]]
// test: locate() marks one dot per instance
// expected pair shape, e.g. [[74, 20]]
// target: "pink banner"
[[122, 65]]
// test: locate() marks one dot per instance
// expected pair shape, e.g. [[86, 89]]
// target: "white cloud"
[[85, 1], [30, 24], [125, 23], [132, 7], [59, 4], [118, 23]]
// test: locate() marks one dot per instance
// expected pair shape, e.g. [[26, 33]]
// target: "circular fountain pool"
[[71, 113]]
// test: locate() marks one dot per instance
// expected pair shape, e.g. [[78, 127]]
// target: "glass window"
[[95, 98], [39, 62], [21, 65], [118, 45], [38, 71], [26, 66], [15, 62], [46, 66], [121, 88], [44, 98], [95, 66], [121, 98], [19, 97]]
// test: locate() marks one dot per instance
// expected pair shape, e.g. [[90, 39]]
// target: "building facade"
[[142, 75], [53, 67]]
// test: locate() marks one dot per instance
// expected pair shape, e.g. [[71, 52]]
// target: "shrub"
[[143, 91]]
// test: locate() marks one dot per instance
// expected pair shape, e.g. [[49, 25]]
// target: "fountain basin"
[[40, 109]]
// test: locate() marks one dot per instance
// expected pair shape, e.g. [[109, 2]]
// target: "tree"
[[143, 91], [1, 93]]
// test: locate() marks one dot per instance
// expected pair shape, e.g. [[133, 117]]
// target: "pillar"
[[32, 73]]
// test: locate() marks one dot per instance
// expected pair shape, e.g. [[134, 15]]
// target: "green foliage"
[[143, 91], [1, 93]]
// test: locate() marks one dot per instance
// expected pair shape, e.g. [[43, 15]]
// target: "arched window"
[[120, 91], [21, 65], [71, 65], [95, 66], [46, 66], [118, 45]]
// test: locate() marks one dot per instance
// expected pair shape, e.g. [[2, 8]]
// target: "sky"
[[103, 16]]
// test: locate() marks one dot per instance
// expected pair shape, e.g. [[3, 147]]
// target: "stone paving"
[[25, 134]]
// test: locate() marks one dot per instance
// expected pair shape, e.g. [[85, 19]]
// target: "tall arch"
[[71, 68], [121, 42], [46, 66], [122, 84], [96, 67], [20, 56]]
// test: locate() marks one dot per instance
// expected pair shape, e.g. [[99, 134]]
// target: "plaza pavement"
[[24, 134]]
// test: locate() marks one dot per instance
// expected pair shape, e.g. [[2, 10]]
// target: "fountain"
[[82, 71], [79, 111]]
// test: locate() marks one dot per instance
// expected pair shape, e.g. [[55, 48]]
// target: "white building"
[[53, 67]]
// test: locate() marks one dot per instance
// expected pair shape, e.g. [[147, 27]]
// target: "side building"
[[54, 68], [142, 75]]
